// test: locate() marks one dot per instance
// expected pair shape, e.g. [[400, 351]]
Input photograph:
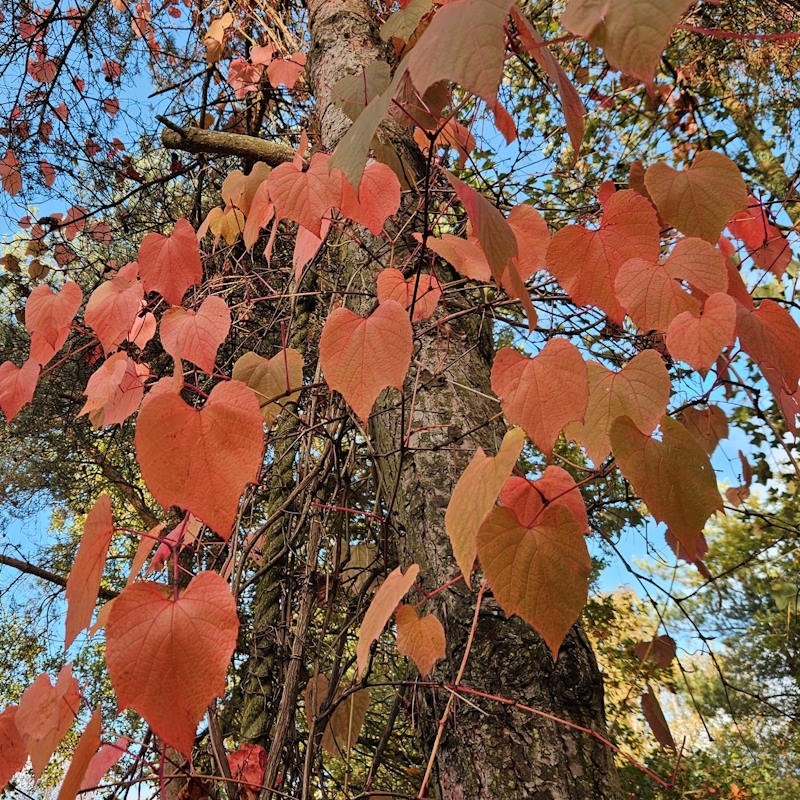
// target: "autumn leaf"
[[114, 305], [83, 583], [45, 713], [698, 340], [10, 172], [362, 356], [474, 496], [378, 198], [17, 386], [170, 264], [586, 262], [700, 200], [440, 54], [197, 335], [540, 573], [345, 723], [656, 720], [640, 390], [672, 476], [708, 425], [393, 286], [247, 765], [544, 393], [527, 498], [422, 639], [48, 317], [201, 460], [383, 604], [102, 761], [659, 652], [272, 379], [85, 749], [13, 753], [114, 391], [632, 33], [167, 657], [765, 243]]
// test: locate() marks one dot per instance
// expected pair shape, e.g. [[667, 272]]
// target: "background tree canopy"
[[354, 350]]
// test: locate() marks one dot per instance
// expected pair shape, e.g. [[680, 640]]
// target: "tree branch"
[[40, 572], [200, 140]]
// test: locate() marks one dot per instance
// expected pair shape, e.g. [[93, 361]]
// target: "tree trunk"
[[496, 752]]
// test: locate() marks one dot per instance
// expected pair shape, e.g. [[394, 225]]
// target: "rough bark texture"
[[504, 753]]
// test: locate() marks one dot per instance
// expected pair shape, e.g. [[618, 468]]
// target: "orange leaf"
[[586, 262], [699, 200], [167, 658], [651, 293], [238, 190], [632, 33], [533, 239], [286, 71], [10, 172], [378, 197], [258, 216], [45, 713], [544, 393], [170, 264], [83, 583], [539, 573], [420, 638], [699, 340], [347, 719], [465, 255], [556, 486], [673, 477], [102, 761], [13, 753], [474, 495], [393, 286], [386, 600], [114, 306], [17, 385], [707, 425], [271, 379], [201, 460], [306, 197], [87, 746], [656, 720], [440, 53], [306, 246], [765, 243], [114, 391], [360, 357], [196, 336], [640, 390], [48, 316]]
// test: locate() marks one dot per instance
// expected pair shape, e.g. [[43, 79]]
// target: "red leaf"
[[114, 305], [83, 583], [167, 658], [306, 246], [393, 286], [386, 600], [247, 765], [87, 746], [196, 336], [540, 573], [244, 77], [258, 216], [378, 197], [17, 385], [13, 753], [544, 393], [170, 264], [48, 173], [465, 255], [527, 499], [305, 197], [45, 713], [286, 72], [48, 317], [360, 357], [699, 340], [201, 460], [586, 262], [10, 172], [114, 391]]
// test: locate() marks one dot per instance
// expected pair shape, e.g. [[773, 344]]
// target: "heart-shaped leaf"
[[698, 340], [196, 336], [271, 379], [420, 638], [167, 657], [170, 264]]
